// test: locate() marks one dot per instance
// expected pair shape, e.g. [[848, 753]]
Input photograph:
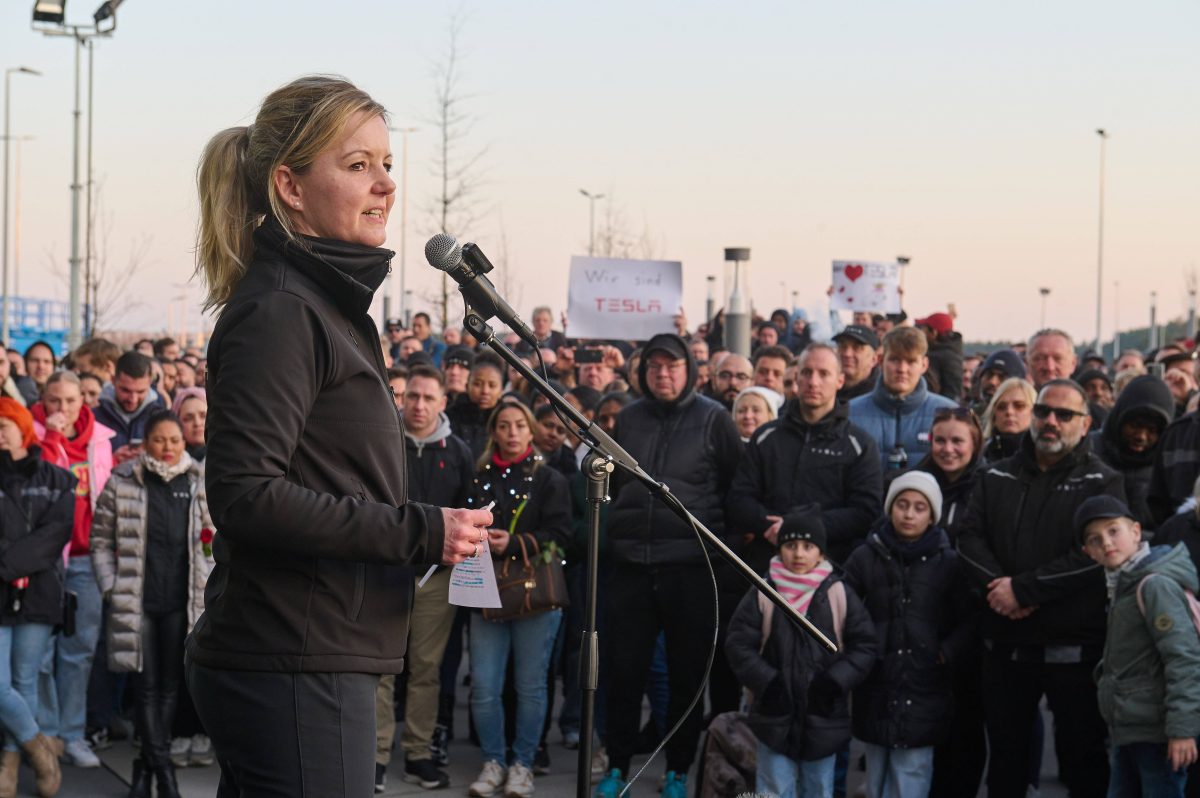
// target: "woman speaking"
[[305, 464]]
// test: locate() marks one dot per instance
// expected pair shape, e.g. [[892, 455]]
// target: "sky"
[[959, 134]]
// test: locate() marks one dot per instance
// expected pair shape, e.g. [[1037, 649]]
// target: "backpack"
[[1193, 603]]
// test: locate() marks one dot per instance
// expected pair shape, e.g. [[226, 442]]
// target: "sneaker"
[[181, 751], [79, 754], [439, 746], [519, 783], [202, 751], [491, 778], [541, 761], [380, 778], [599, 763], [675, 786], [425, 773], [571, 740], [99, 739], [610, 786]]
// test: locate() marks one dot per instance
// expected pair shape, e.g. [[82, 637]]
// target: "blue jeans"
[[21, 650], [531, 641], [1142, 770], [899, 772], [778, 775], [63, 682]]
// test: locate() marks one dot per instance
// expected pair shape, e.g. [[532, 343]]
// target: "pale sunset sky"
[[960, 134]]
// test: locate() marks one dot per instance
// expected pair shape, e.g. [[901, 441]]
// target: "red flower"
[[206, 536]]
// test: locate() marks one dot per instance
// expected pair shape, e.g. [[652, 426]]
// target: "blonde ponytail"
[[235, 177]]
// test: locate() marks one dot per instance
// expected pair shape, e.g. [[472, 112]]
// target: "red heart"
[[849, 299], [853, 272]]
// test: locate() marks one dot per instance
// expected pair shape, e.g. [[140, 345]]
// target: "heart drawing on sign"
[[841, 289], [853, 272]]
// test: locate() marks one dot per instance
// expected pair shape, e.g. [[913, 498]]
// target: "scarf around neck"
[[799, 589], [167, 471]]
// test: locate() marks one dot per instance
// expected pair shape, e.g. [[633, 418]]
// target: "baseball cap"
[[859, 334]]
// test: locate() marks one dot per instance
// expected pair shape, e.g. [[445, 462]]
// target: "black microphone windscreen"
[[443, 252]]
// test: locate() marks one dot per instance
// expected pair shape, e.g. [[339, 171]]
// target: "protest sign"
[[627, 299], [866, 286]]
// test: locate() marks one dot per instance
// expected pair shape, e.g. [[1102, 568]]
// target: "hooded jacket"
[[789, 463], [305, 471], [691, 444], [924, 623], [1020, 523], [1149, 679], [88, 456], [440, 467], [126, 427], [37, 501], [890, 419], [946, 365], [469, 422], [780, 675], [1144, 396]]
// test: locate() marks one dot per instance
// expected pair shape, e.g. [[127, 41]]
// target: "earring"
[[297, 204]]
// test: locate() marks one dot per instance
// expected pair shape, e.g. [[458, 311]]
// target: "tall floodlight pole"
[[591, 219], [8, 73], [1100, 239], [45, 11]]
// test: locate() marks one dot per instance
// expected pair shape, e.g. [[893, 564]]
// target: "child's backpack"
[[1192, 602]]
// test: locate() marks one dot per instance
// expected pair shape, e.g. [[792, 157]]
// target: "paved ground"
[[112, 780]]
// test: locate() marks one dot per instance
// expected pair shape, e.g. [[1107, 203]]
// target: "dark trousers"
[[156, 688], [678, 599], [1012, 691], [279, 735], [959, 760]]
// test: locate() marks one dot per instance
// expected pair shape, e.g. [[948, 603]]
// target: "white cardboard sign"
[[626, 299], [866, 285]]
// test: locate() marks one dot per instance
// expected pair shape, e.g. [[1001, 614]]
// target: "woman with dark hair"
[[531, 501], [153, 519], [469, 412], [305, 464]]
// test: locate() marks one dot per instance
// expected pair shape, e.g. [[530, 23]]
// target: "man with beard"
[[1045, 631], [811, 454], [733, 374]]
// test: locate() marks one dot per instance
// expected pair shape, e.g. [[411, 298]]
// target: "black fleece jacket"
[[790, 463], [1148, 398], [37, 510], [1020, 523], [305, 471]]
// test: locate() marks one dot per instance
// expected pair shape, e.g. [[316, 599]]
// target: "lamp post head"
[[26, 70], [1101, 133], [52, 11], [737, 253], [106, 10]]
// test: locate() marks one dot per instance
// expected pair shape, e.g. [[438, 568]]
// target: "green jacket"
[[1149, 678]]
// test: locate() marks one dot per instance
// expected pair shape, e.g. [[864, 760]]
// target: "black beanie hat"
[[804, 523]]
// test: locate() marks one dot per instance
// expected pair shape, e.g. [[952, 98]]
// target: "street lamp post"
[[1045, 292], [1100, 238], [737, 310], [709, 305], [54, 14], [8, 73], [591, 219]]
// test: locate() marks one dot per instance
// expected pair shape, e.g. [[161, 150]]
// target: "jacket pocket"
[[360, 590]]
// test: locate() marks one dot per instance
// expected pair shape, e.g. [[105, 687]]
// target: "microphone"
[[468, 266]]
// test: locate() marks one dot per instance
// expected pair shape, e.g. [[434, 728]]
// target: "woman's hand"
[[771, 533], [498, 541], [466, 530], [1181, 751], [57, 422]]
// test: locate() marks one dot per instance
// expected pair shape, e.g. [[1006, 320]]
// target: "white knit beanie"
[[922, 483]]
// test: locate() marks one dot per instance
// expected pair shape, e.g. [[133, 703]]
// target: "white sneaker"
[[181, 751], [79, 754], [202, 751], [520, 782], [599, 763], [490, 779]]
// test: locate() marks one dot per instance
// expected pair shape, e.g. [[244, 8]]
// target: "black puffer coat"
[[924, 627], [780, 676], [37, 510], [1145, 397], [469, 422], [692, 445], [790, 463], [955, 495]]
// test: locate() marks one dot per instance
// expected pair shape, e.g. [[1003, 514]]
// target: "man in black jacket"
[[1175, 467], [1045, 632], [659, 580], [440, 471], [858, 351], [813, 454], [1129, 441]]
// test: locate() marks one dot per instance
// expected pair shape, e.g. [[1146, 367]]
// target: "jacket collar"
[[890, 403], [349, 273], [794, 420]]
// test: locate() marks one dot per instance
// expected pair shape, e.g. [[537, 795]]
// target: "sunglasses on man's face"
[[1061, 414]]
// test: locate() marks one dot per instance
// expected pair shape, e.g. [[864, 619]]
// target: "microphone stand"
[[598, 466]]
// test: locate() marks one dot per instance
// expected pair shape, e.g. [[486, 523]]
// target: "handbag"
[[529, 584]]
